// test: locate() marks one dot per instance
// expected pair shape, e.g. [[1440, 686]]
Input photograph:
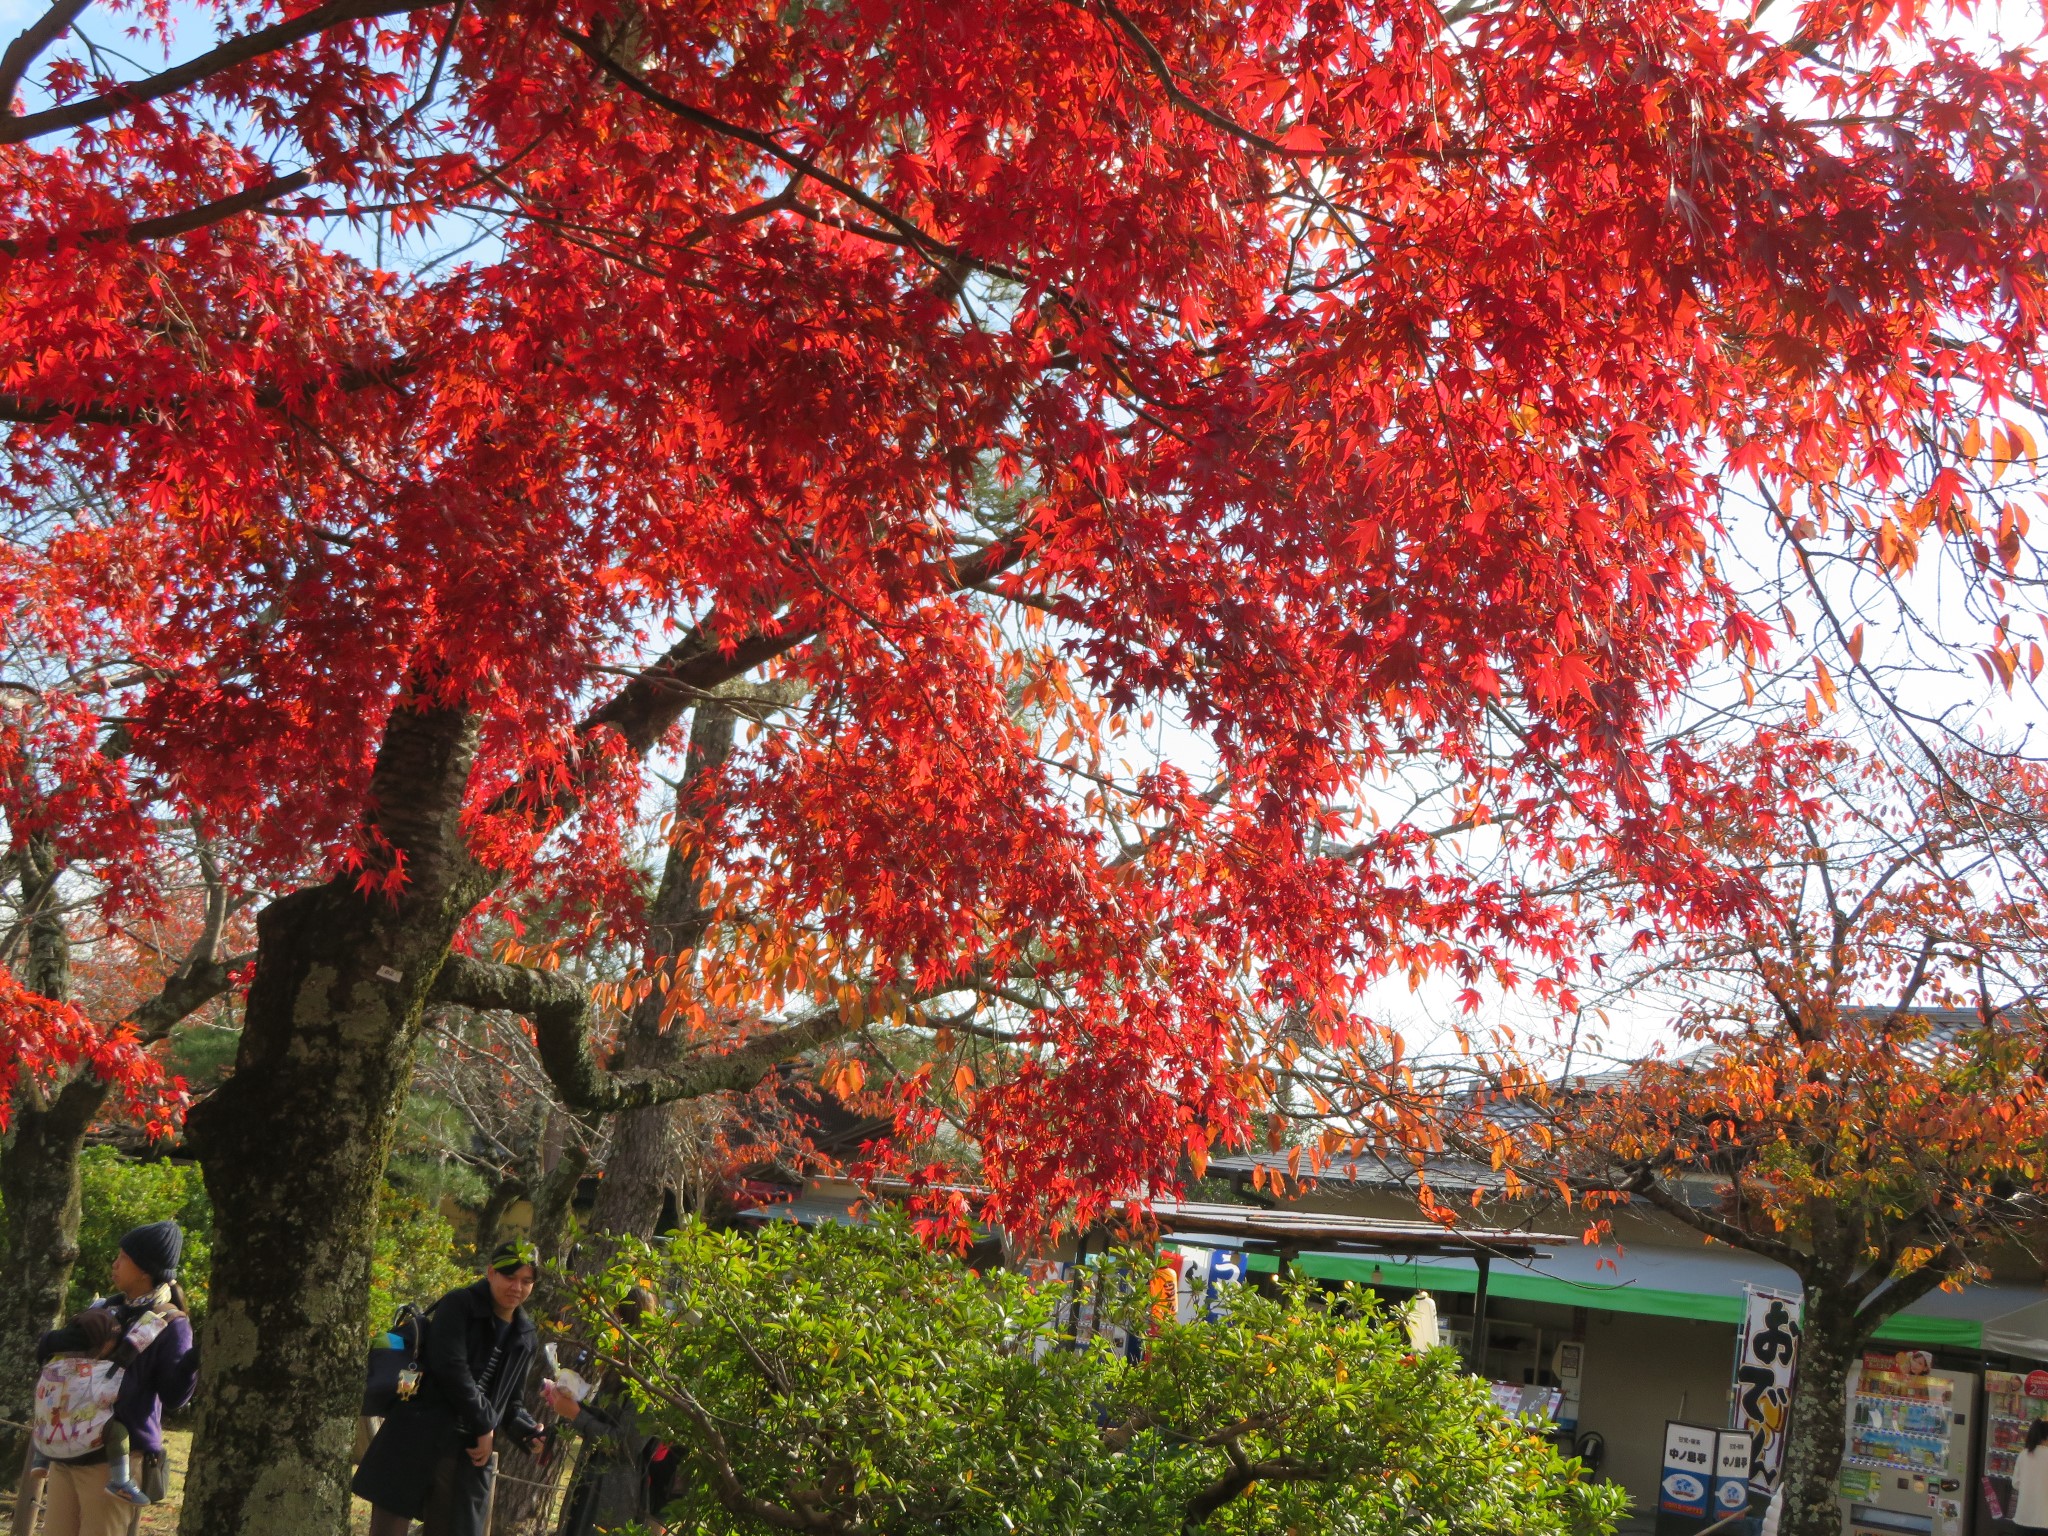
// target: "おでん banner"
[[1766, 1359]]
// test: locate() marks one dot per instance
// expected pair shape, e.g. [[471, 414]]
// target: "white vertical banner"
[[1766, 1361]]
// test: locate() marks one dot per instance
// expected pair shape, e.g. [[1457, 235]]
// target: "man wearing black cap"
[[431, 1461], [145, 1277]]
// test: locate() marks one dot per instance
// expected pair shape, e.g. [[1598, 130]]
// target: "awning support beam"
[[1485, 1263]]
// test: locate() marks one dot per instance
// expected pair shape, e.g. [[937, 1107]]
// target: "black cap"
[[514, 1253], [156, 1249]]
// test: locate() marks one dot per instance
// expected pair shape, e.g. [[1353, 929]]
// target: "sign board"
[[1731, 1472], [1684, 1488], [1225, 1270], [2037, 1384], [1766, 1356]]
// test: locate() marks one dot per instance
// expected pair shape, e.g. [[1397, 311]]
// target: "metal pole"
[[1485, 1261]]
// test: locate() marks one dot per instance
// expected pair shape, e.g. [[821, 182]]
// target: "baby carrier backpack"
[[75, 1397], [74, 1401]]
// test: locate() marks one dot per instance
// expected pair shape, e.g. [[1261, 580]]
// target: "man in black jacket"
[[431, 1460]]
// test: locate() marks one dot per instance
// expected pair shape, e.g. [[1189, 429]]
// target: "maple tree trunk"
[[39, 1194], [645, 1151], [1829, 1342], [506, 1193], [294, 1144], [639, 1172], [39, 1213]]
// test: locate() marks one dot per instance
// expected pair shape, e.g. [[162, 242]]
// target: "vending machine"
[[2011, 1403], [1906, 1465]]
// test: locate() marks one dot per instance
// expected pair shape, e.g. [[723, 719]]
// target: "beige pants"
[[78, 1504]]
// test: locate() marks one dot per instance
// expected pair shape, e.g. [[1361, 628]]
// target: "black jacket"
[[610, 1486], [458, 1348], [450, 1411]]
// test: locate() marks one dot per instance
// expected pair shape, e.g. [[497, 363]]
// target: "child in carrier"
[[76, 1391]]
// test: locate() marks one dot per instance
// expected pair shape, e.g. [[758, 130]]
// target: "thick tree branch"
[[558, 1004], [193, 986], [1244, 1475], [1650, 1187], [1901, 1294], [707, 657], [204, 975], [35, 413], [165, 226]]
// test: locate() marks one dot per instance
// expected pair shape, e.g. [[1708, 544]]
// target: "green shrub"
[[414, 1259], [118, 1194], [845, 1378]]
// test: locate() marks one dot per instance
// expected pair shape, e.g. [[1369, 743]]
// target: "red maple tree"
[[1327, 387]]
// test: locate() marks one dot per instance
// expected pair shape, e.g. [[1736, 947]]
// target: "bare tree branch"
[[238, 50], [23, 52]]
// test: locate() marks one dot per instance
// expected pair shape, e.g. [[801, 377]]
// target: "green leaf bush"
[[845, 1379]]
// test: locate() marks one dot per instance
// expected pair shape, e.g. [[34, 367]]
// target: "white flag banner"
[[1766, 1361]]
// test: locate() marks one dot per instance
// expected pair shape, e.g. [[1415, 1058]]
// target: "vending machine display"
[[2005, 1431], [1906, 1463], [2011, 1403]]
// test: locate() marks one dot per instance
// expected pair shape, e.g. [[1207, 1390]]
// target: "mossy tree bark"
[[294, 1144], [39, 1213], [1841, 1315], [38, 1170], [1828, 1343], [507, 1192]]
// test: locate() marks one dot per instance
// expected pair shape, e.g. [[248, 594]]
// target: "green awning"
[[1520, 1284], [1710, 1288], [1944, 1332]]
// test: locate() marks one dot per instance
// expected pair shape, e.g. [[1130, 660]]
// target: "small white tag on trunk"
[[386, 973]]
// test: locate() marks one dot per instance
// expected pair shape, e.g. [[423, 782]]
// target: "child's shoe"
[[122, 1488]]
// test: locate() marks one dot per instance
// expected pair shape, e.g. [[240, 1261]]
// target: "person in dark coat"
[[431, 1460], [612, 1486]]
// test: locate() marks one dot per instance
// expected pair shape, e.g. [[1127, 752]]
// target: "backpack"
[[75, 1397], [74, 1402], [394, 1368]]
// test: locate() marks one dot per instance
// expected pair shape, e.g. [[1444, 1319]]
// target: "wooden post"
[[28, 1495], [491, 1497]]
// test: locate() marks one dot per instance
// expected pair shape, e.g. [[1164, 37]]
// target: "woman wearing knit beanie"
[[145, 1277]]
